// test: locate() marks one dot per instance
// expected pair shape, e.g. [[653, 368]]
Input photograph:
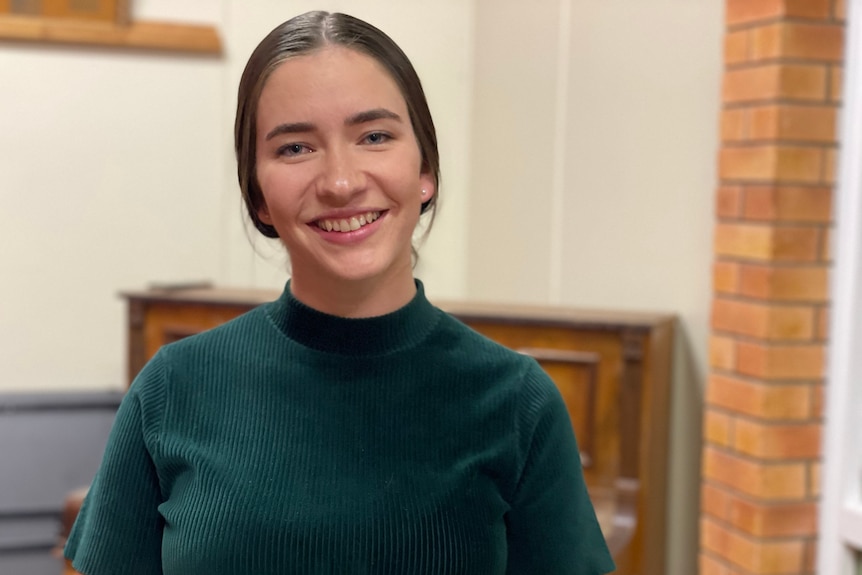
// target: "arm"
[[119, 529], [552, 527]]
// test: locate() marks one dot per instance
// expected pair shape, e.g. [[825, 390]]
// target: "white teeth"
[[350, 225]]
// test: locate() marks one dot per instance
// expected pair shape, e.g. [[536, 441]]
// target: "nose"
[[341, 178]]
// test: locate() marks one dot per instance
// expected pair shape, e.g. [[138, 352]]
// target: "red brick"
[[840, 11], [776, 441], [715, 501], [739, 317], [815, 124], [830, 165], [836, 84], [790, 323], [772, 81], [771, 163], [756, 281], [722, 352], [826, 237], [810, 9], [785, 283], [767, 243], [817, 402], [744, 241], [811, 556], [711, 566], [747, 11], [733, 125], [725, 277], [736, 47], [752, 555], [729, 201], [788, 203], [767, 481], [781, 362], [763, 321], [814, 469], [796, 244], [717, 428], [799, 41], [796, 519], [766, 401], [823, 324]]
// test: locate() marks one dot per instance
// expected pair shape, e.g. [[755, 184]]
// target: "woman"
[[349, 426]]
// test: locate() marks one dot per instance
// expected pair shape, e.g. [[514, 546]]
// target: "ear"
[[263, 215], [426, 182]]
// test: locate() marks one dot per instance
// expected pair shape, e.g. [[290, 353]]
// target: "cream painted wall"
[[594, 140], [107, 183], [513, 145], [117, 171]]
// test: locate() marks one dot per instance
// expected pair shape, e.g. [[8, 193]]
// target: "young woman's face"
[[340, 168]]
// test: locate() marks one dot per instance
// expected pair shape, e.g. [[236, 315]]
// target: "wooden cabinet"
[[613, 370]]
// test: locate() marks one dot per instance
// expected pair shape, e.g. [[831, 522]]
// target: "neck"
[[355, 299]]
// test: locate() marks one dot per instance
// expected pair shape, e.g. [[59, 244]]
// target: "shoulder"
[[454, 335], [210, 358], [494, 374], [476, 351], [244, 331]]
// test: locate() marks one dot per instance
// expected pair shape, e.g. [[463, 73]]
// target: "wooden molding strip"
[[137, 35]]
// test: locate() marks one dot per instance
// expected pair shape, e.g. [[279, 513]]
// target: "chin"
[[363, 271]]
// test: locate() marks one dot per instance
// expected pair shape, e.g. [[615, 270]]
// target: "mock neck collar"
[[379, 335]]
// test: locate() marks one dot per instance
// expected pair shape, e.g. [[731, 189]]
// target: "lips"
[[344, 225]]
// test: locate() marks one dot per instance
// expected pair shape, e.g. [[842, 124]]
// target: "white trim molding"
[[840, 538], [850, 525]]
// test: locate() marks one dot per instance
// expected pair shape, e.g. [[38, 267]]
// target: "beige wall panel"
[[108, 183], [513, 150], [643, 93]]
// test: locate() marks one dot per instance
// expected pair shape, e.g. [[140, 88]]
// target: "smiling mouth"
[[347, 224]]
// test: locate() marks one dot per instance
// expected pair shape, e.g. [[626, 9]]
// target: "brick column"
[[763, 418]]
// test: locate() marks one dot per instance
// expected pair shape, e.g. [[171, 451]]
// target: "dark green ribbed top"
[[289, 441]]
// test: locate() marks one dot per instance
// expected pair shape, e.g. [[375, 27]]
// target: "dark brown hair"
[[302, 35]]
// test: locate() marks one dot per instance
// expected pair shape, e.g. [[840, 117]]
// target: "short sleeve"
[[552, 526], [119, 528]]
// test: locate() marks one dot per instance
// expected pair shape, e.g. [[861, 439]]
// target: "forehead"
[[331, 79]]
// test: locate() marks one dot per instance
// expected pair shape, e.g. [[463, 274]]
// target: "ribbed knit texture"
[[289, 441]]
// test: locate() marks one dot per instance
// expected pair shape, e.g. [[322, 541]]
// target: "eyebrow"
[[372, 115], [295, 128], [354, 120]]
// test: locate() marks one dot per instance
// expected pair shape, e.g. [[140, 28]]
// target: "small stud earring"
[[424, 192]]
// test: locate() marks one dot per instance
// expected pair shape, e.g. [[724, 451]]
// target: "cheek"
[[265, 173], [276, 183], [404, 176]]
